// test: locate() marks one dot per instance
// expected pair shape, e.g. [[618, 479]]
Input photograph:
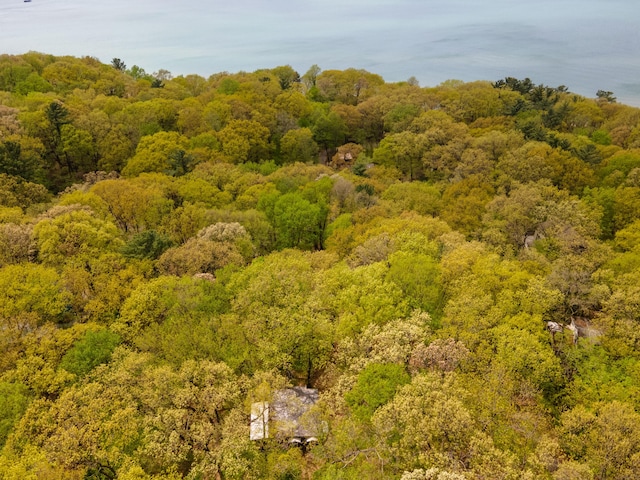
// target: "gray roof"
[[288, 414]]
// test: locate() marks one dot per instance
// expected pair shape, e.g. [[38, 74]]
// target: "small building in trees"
[[288, 416], [346, 155]]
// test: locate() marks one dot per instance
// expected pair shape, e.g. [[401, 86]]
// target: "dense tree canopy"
[[173, 249]]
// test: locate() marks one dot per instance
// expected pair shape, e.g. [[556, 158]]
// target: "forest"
[[176, 249]]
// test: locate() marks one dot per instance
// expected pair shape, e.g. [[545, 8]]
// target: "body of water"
[[586, 45]]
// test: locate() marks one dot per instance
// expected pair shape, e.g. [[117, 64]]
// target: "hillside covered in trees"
[[173, 250]]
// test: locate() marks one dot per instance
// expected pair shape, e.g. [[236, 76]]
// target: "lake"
[[586, 45]]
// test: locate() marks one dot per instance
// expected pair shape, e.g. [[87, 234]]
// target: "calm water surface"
[[586, 45]]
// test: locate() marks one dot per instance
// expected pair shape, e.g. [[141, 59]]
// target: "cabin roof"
[[287, 414]]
